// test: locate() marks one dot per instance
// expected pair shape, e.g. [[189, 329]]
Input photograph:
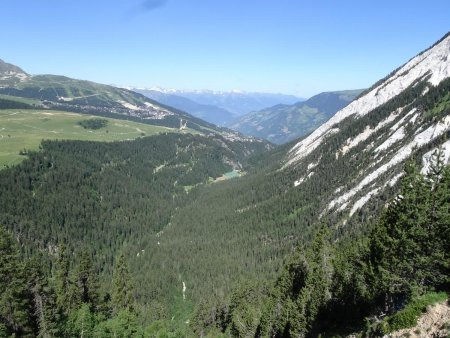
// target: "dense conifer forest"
[[321, 286]]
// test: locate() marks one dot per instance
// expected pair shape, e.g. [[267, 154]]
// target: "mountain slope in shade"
[[284, 123], [209, 113]]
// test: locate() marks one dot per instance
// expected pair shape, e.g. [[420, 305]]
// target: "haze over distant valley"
[[220, 108]]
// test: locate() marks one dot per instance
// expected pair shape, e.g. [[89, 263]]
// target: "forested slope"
[[101, 195], [332, 287], [325, 288], [283, 123], [258, 219], [316, 238]]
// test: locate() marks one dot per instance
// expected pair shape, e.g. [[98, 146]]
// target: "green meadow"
[[23, 130]]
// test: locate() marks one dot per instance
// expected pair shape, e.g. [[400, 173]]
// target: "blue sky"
[[288, 46]]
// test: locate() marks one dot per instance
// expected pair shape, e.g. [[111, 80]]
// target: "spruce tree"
[[87, 282], [406, 246], [62, 280], [43, 297], [301, 292], [122, 296], [439, 220], [16, 311]]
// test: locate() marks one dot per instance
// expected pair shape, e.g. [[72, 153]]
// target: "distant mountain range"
[[238, 102], [217, 107], [210, 113], [283, 123], [200, 110]]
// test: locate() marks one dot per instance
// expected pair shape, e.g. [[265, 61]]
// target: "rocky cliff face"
[[406, 114]]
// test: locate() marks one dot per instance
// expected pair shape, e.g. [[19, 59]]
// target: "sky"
[[284, 46]]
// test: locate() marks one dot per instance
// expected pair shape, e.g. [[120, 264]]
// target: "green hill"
[[18, 89], [283, 123], [51, 95], [22, 131]]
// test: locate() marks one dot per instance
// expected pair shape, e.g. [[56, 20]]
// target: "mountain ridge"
[[283, 123], [209, 113], [394, 120], [237, 102], [62, 93], [11, 74], [372, 99]]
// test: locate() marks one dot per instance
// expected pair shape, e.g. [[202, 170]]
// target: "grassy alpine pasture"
[[23, 130]]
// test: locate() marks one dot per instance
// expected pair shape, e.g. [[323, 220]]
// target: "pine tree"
[[62, 280], [439, 220], [123, 325], [16, 312], [43, 296], [301, 292], [122, 296], [81, 322], [406, 256], [87, 282]]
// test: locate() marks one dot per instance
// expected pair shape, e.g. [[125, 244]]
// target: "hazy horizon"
[[293, 48]]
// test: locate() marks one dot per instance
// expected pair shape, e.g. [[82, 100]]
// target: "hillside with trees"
[[345, 231], [283, 123], [402, 264]]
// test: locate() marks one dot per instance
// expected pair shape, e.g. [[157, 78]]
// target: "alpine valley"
[[191, 230], [284, 123], [220, 108]]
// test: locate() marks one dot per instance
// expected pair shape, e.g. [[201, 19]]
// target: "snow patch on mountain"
[[413, 119], [393, 181], [342, 207], [303, 179], [338, 190], [434, 64], [313, 164]]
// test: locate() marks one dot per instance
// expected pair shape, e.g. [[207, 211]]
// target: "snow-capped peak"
[[194, 91]]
